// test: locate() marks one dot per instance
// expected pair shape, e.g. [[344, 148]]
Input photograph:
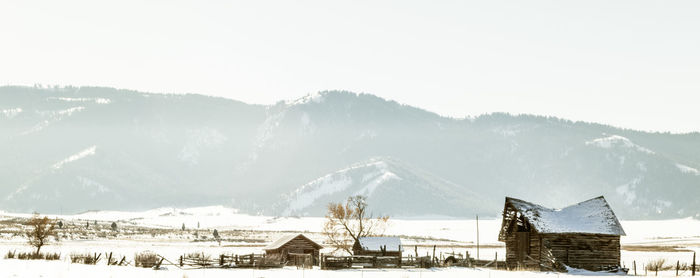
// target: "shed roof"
[[593, 216], [283, 240], [393, 244]]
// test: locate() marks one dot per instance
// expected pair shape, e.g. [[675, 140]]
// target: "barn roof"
[[283, 240], [593, 216], [393, 244]]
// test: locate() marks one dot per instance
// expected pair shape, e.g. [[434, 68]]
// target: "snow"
[[392, 244], [593, 216], [53, 116], [338, 181], [283, 240], [373, 180], [17, 268], [70, 111], [687, 169], [616, 140], [11, 112], [677, 232], [307, 194], [80, 155], [95, 100]]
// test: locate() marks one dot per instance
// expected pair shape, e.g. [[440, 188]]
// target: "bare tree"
[[346, 223], [217, 237], [42, 229]]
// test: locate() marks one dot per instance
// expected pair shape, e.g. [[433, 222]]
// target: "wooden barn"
[[296, 249], [585, 235], [378, 246]]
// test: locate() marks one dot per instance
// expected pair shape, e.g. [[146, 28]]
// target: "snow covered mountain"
[[73, 149], [389, 185]]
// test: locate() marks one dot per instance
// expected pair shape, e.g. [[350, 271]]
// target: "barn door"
[[523, 242]]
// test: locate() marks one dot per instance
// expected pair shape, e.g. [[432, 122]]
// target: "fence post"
[[496, 260], [678, 266], [434, 246], [693, 263], [635, 267], [181, 261]]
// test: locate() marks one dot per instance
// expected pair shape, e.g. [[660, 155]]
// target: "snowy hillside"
[[390, 186], [75, 149]]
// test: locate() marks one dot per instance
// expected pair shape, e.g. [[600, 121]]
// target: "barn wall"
[[531, 257], [584, 250], [297, 245]]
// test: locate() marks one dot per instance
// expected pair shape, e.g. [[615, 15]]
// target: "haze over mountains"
[[76, 149]]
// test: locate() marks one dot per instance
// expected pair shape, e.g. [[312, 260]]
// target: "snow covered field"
[[673, 240]]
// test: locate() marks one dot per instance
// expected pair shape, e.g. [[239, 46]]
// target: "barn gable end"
[[584, 235]]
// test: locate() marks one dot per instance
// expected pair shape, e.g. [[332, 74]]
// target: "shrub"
[[85, 258], [658, 264], [33, 256], [146, 259]]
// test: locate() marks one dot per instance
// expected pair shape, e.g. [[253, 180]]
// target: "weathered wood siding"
[[527, 258], [298, 245], [586, 251], [592, 252]]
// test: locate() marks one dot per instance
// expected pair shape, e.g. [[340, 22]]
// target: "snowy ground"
[[160, 231]]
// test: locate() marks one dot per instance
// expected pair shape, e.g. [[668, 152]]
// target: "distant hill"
[[73, 149]]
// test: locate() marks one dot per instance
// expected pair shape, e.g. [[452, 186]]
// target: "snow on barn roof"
[[393, 244], [283, 240], [593, 216]]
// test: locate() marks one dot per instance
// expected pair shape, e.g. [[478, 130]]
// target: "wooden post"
[[678, 266], [693, 263], [434, 246], [415, 247], [181, 261], [496, 260], [634, 263], [221, 260], [656, 268], [477, 237]]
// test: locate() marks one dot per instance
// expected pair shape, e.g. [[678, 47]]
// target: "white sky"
[[632, 64]]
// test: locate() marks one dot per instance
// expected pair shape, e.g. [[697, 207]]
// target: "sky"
[[632, 64]]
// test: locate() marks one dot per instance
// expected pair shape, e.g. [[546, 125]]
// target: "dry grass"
[[32, 256], [658, 264], [654, 248], [86, 258], [146, 259]]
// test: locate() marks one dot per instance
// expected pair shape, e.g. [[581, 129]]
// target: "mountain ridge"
[[96, 148]]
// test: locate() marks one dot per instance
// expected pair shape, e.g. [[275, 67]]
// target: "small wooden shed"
[[295, 249], [585, 235], [378, 246]]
